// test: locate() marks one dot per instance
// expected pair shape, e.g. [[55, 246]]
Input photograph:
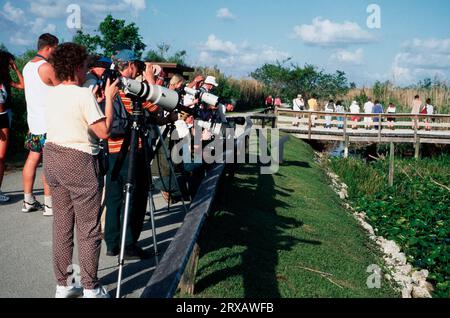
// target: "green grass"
[[267, 229]]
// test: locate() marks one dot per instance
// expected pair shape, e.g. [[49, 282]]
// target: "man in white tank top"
[[39, 80]]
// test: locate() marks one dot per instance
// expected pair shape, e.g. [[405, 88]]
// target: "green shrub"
[[415, 212]]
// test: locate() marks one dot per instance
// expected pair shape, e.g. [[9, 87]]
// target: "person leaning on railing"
[[429, 108], [340, 109], [377, 109], [415, 110], [391, 110], [313, 107], [355, 109]]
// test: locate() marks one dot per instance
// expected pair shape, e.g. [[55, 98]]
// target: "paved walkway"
[[26, 248]]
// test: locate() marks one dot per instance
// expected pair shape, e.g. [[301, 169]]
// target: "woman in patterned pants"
[[74, 124]]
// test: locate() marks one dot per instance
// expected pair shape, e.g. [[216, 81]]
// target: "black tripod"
[[138, 131]]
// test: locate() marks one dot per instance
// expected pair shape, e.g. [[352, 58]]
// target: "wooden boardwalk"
[[407, 128]]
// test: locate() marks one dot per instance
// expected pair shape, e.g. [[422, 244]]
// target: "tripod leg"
[[128, 193], [148, 154], [172, 169]]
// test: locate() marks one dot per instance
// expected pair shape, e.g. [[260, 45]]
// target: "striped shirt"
[[116, 144]]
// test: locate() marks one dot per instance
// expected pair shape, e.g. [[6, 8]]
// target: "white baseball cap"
[[211, 80]]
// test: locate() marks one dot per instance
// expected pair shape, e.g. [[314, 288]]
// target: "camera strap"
[[38, 55]]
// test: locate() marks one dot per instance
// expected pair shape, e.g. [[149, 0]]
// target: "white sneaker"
[[47, 211], [31, 207], [99, 292], [68, 292], [4, 198]]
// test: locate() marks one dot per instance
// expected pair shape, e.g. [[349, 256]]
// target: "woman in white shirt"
[[330, 108], [355, 109], [74, 125]]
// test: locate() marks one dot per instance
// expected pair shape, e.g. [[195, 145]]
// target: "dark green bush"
[[415, 212]]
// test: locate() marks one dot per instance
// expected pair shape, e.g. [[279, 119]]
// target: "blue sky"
[[240, 35]]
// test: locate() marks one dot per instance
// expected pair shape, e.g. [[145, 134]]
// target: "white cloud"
[[225, 14], [237, 58], [23, 27], [323, 32], [138, 5], [421, 59], [441, 46], [12, 13], [90, 9], [214, 44], [49, 8], [19, 39], [348, 57]]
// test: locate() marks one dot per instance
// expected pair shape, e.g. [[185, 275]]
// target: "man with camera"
[[127, 64], [97, 66]]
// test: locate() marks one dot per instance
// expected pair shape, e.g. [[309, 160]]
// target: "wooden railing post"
[[416, 127], [187, 281], [347, 146], [345, 126], [391, 165], [310, 125], [380, 126], [417, 148]]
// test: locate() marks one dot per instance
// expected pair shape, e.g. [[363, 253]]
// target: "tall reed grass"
[[403, 97]]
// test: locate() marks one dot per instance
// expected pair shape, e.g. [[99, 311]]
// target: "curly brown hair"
[[67, 59]]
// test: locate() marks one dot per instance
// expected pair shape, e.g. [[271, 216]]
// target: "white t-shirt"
[[340, 109], [298, 104], [69, 111], [354, 109], [430, 109], [330, 107], [368, 107], [391, 110]]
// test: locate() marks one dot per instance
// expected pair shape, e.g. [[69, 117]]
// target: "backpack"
[[424, 110]]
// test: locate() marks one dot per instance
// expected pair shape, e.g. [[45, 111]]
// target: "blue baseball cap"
[[126, 56], [104, 62]]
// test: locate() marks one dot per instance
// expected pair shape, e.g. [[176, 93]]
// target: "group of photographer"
[[78, 111]]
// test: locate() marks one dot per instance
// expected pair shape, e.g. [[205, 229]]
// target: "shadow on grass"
[[299, 164], [246, 219]]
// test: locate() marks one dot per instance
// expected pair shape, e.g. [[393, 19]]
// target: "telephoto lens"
[[204, 97], [158, 95]]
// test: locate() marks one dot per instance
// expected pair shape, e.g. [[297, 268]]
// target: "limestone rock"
[[419, 292], [420, 276], [407, 292]]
